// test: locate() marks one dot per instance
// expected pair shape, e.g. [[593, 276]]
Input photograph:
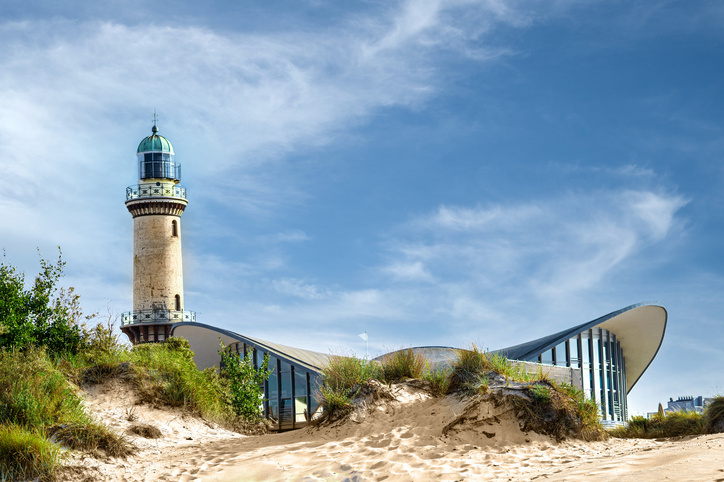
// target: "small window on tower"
[[178, 303], [174, 228]]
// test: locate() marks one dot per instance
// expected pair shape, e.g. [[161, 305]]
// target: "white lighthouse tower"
[[156, 204]]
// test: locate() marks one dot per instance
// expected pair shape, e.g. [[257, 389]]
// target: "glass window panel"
[[273, 363], [285, 366], [274, 410], [573, 347], [286, 384], [300, 409], [547, 357], [300, 383], [286, 413], [259, 358], [561, 354], [273, 389]]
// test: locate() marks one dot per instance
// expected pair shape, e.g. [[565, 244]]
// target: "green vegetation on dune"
[[543, 405], [675, 424], [47, 353]]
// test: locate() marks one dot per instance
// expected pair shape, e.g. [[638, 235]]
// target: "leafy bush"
[[246, 383], [43, 315], [401, 364]]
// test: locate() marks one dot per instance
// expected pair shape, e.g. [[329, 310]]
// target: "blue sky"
[[431, 172]]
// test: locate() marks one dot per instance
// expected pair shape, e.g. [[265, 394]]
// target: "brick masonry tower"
[[156, 204]]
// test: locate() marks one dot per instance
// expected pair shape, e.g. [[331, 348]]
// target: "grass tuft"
[[342, 379], [26, 455], [402, 364], [714, 415], [92, 437], [439, 379], [145, 430]]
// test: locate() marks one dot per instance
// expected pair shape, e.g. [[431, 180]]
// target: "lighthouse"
[[156, 204]]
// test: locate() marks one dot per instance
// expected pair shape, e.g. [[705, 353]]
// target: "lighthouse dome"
[[155, 143]]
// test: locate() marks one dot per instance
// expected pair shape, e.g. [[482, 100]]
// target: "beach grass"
[[714, 415], [26, 454], [547, 407], [37, 402], [402, 364], [342, 379]]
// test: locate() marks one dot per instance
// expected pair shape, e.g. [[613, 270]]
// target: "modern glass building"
[[612, 352], [291, 395]]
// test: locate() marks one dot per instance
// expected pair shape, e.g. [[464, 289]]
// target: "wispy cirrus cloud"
[[548, 249]]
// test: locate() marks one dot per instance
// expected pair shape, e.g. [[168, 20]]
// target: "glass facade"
[[290, 395], [598, 354], [158, 165]]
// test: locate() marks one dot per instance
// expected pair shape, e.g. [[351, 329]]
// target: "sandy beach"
[[411, 436]]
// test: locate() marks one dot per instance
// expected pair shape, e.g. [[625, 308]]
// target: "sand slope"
[[404, 435]]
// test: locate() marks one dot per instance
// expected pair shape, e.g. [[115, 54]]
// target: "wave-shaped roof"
[[639, 329]]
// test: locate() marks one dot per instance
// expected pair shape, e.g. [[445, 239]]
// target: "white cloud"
[[299, 288], [551, 249], [408, 271]]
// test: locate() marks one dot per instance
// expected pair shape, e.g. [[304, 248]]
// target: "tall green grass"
[[714, 415], [165, 374], [675, 424], [26, 454], [37, 401], [401, 364], [342, 379], [474, 368]]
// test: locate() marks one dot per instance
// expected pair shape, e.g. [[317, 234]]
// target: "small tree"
[[43, 315], [246, 383]]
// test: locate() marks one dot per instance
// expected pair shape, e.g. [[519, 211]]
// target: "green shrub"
[[245, 382], [714, 415], [401, 364], [26, 455], [43, 315]]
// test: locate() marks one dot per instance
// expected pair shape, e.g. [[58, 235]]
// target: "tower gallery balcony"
[[155, 190], [157, 316]]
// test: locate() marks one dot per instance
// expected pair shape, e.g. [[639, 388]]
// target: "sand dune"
[[411, 436]]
